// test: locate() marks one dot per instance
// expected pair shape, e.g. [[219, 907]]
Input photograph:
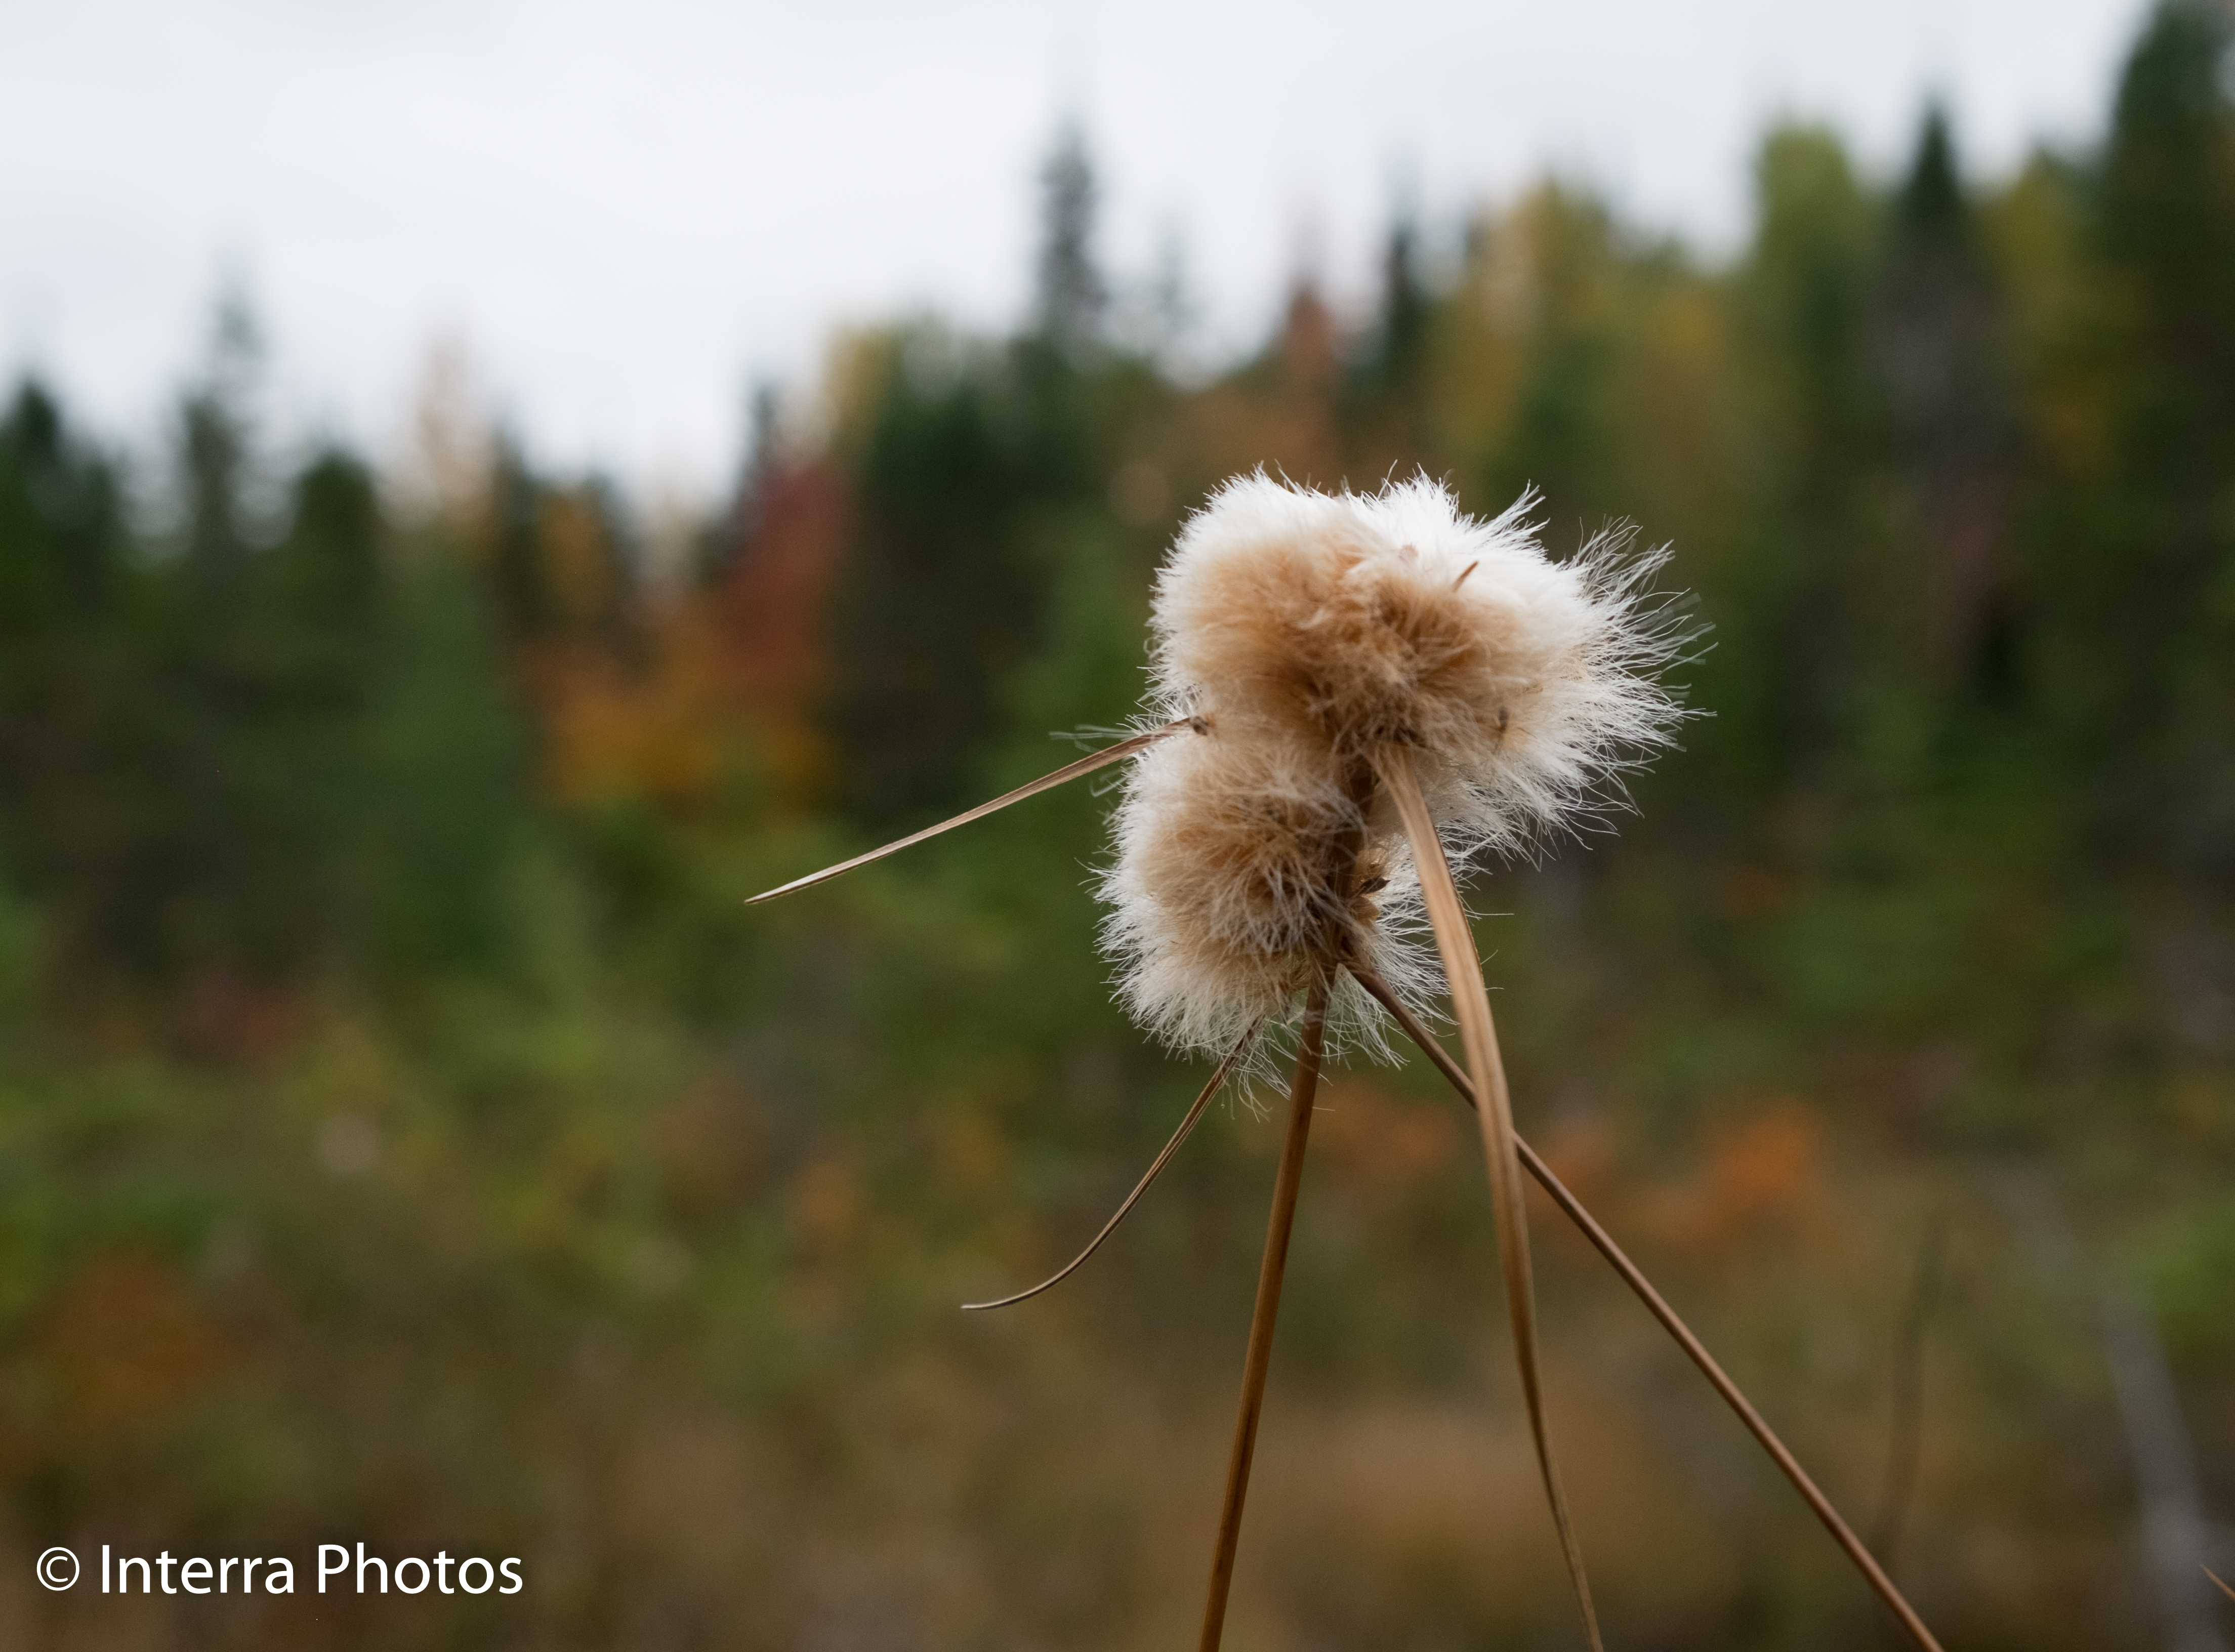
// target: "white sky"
[[627, 213]]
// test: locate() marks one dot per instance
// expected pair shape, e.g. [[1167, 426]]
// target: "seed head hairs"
[[1349, 693]]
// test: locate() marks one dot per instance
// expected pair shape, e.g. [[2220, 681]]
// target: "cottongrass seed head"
[[1305, 632], [1350, 692]]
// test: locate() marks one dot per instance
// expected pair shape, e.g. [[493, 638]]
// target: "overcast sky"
[[628, 213]]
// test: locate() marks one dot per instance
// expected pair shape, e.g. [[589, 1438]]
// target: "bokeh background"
[[406, 1134]]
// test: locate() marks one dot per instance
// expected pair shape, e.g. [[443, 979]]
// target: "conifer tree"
[[2160, 579], [1805, 293], [1940, 355], [1071, 298], [936, 599], [67, 620], [1387, 410], [1562, 442]]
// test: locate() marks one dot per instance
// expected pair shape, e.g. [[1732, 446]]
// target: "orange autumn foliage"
[[735, 667], [1762, 1173]]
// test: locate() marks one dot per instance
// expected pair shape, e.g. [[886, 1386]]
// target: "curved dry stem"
[[1670, 1321], [1301, 1090], [1179, 1139], [1086, 765], [1470, 1002]]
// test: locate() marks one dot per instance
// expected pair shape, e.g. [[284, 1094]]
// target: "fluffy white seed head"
[[1306, 632]]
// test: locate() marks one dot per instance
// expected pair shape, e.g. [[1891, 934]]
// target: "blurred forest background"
[[406, 1135]]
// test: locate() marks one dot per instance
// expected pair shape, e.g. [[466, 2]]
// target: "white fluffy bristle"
[[1306, 632]]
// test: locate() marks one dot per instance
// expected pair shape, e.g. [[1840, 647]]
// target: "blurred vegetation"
[[407, 1136]]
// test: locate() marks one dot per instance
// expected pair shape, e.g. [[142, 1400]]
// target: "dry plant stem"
[[1603, 1242], [2222, 1582], [1905, 1436], [1086, 765], [1301, 1089], [1470, 1002], [1179, 1139]]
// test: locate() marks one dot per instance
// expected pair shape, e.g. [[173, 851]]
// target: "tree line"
[[1946, 465]]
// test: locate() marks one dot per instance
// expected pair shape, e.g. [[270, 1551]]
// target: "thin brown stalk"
[[1470, 1002], [1179, 1139], [1670, 1321], [1905, 1432], [1086, 765], [2222, 1582], [1301, 1090]]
